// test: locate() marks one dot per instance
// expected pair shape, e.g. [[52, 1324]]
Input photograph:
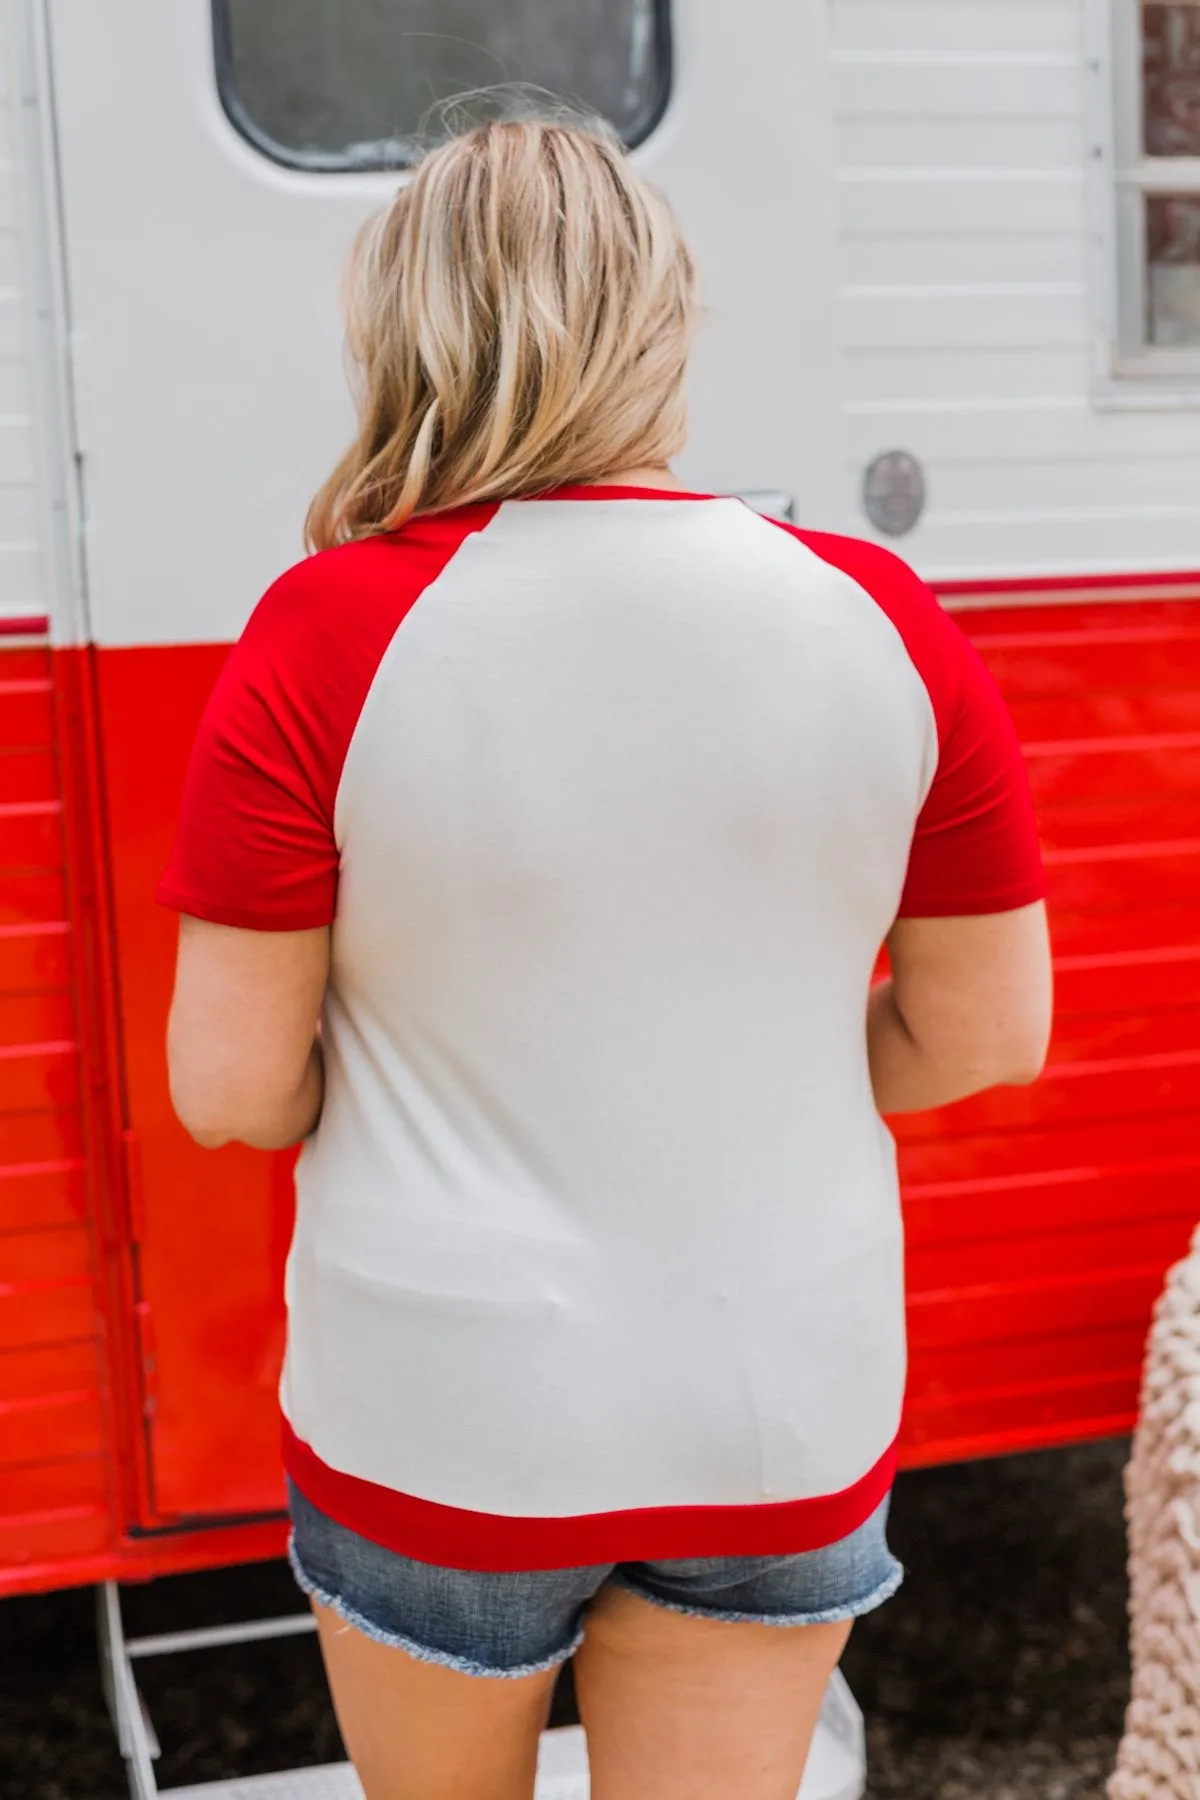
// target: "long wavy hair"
[[519, 317]]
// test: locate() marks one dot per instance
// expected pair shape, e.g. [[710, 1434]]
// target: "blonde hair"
[[519, 317]]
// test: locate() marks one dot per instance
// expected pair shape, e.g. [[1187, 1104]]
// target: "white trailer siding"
[[24, 572], [966, 313]]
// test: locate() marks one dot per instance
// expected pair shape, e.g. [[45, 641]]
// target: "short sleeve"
[[975, 845], [255, 843], [975, 848]]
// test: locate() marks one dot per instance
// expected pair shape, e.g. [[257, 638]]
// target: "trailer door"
[[215, 159]]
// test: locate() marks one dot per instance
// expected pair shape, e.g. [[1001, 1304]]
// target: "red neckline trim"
[[600, 491]]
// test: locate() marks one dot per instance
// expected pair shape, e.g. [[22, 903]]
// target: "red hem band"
[[457, 1538]]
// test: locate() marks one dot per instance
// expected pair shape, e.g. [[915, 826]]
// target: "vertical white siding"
[[965, 312], [24, 582]]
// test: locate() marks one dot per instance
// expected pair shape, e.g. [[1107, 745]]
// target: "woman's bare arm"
[[242, 1049], [968, 1007]]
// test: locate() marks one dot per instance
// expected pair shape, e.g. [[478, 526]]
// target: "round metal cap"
[[893, 492]]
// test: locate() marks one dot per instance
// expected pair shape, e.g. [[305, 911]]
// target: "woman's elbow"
[[238, 1111], [1025, 1054], [207, 1098], [202, 1116], [1024, 1070]]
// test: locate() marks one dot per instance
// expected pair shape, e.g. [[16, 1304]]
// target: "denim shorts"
[[528, 1621]]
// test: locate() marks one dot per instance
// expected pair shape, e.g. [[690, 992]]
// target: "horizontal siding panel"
[[44, 1256], [1022, 319], [48, 1370], [10, 252], [16, 392], [38, 1075], [932, 141], [901, 202], [1097, 985], [996, 1314], [1168, 763], [54, 1536], [42, 1195], [1153, 926], [51, 1426], [1132, 712], [1127, 1032], [1139, 815], [979, 87], [12, 317], [967, 1367], [1159, 482], [931, 1150], [22, 590], [978, 1211], [26, 708], [30, 1488], [1124, 877], [1041, 655], [966, 257], [46, 1313], [1092, 1249], [34, 956], [17, 455], [21, 664], [977, 432], [39, 1138], [27, 775], [980, 1424], [1031, 374], [35, 1017], [28, 899], [1095, 620], [1137, 1089], [31, 836], [19, 518], [909, 28], [1013, 544]]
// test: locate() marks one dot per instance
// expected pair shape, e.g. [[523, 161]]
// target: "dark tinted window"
[[1171, 79], [355, 84]]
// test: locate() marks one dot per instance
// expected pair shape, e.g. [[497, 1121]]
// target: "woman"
[[576, 807]]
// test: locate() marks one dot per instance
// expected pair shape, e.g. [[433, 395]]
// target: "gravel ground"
[[999, 1672]]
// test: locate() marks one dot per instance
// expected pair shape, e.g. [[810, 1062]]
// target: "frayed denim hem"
[[832, 1615], [396, 1640]]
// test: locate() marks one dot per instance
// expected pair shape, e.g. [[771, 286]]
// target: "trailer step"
[[562, 1775], [329, 1781]]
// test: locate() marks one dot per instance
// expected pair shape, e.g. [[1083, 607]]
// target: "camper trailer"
[[951, 261]]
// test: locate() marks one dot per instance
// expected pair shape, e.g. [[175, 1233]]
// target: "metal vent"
[[893, 492]]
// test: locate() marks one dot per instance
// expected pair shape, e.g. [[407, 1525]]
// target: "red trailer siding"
[[140, 1289]]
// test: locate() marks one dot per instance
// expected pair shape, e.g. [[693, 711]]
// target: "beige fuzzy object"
[[1159, 1757]]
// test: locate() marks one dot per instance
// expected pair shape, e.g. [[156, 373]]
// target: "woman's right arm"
[[967, 1007]]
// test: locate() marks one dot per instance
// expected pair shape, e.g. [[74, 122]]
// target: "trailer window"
[[1155, 321], [356, 84], [1171, 135]]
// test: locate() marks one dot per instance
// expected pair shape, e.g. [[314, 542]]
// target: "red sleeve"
[[975, 847], [255, 845]]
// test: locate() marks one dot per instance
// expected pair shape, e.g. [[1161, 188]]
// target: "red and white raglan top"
[[610, 800]]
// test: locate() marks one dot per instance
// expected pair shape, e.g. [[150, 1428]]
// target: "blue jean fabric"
[[523, 1622]]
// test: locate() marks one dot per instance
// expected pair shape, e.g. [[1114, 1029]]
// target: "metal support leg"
[[135, 1734]]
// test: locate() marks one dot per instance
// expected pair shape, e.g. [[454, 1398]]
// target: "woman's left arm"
[[242, 1047]]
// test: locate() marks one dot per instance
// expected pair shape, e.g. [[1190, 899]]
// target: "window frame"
[[320, 162], [1129, 370]]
